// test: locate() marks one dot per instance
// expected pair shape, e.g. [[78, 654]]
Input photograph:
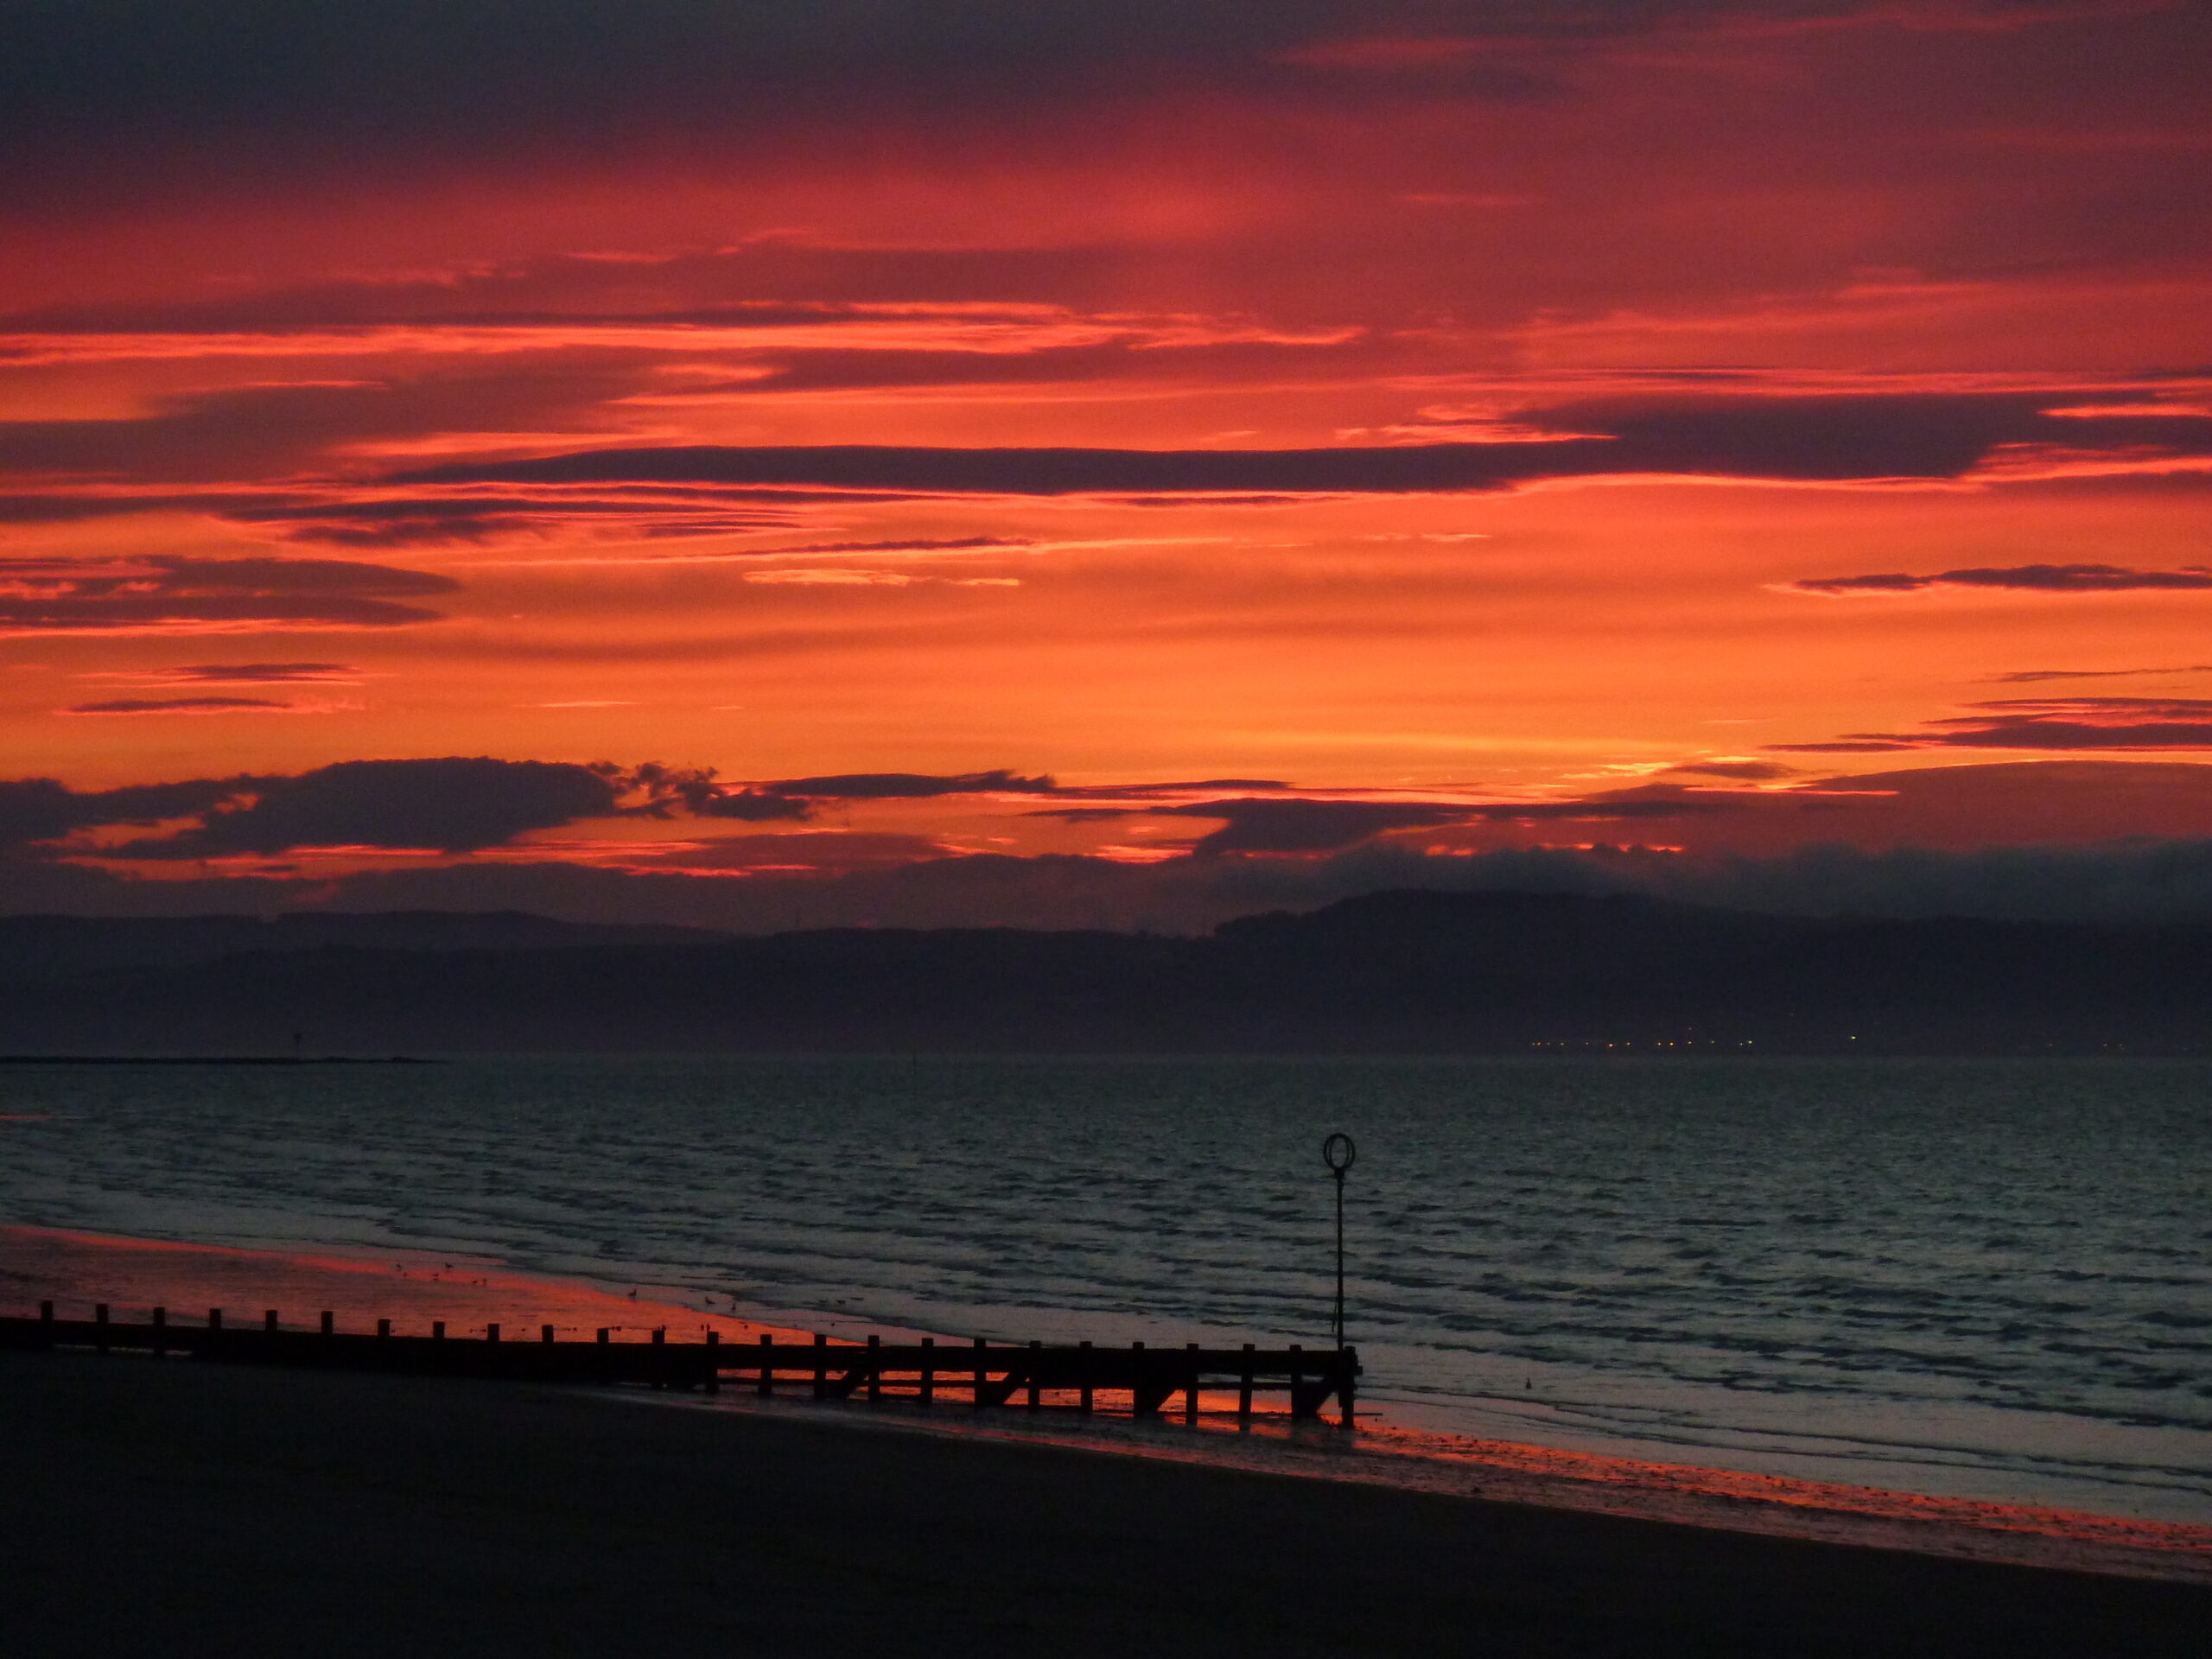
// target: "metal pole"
[[1339, 1154], [1340, 1258]]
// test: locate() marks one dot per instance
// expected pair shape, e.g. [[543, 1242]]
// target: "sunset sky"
[[863, 460]]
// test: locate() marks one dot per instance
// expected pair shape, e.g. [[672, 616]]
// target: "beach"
[[186, 1508]]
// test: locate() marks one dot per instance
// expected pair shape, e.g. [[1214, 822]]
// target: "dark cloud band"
[[1028, 472], [2085, 724], [246, 674], [1788, 438], [1297, 824], [907, 786], [183, 706], [2023, 578], [43, 808], [164, 593], [452, 805], [445, 73]]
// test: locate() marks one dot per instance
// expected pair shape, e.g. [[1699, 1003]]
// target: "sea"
[[1966, 1277]]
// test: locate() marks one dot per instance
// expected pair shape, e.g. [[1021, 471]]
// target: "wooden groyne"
[[1082, 1377]]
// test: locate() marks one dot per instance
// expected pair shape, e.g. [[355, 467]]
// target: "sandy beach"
[[166, 1507], [415, 1288], [170, 1507]]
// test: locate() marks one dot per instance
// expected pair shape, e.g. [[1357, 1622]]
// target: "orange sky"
[[1423, 408]]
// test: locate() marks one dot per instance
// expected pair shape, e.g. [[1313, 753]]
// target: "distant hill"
[[1391, 972], [34, 947]]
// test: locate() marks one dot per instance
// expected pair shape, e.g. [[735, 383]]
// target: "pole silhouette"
[[1339, 1153]]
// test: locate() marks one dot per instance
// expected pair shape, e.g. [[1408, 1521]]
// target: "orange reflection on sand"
[[1732, 1486], [410, 1289], [1499, 1460], [1382, 1454]]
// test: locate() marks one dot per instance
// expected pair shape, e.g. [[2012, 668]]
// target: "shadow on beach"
[[183, 1508]]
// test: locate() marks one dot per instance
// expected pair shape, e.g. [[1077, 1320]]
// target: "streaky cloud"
[[2063, 723], [178, 593], [198, 674], [186, 706], [2023, 578], [907, 786], [1792, 437]]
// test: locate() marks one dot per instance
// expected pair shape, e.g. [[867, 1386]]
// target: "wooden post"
[[838, 1369]]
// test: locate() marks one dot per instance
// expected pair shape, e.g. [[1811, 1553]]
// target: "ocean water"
[[1981, 1279]]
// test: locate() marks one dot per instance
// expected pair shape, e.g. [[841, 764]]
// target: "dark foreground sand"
[[176, 1509]]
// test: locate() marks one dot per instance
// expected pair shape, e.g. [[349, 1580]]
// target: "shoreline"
[[419, 1286], [1662, 1494]]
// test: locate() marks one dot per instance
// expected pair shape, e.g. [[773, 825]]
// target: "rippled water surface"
[[1984, 1278]]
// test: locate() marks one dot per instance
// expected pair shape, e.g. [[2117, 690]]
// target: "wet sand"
[[173, 1508], [134, 1275]]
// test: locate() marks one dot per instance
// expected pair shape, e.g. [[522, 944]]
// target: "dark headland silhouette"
[[1387, 973]]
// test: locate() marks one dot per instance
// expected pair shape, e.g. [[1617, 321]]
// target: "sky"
[[1027, 463]]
